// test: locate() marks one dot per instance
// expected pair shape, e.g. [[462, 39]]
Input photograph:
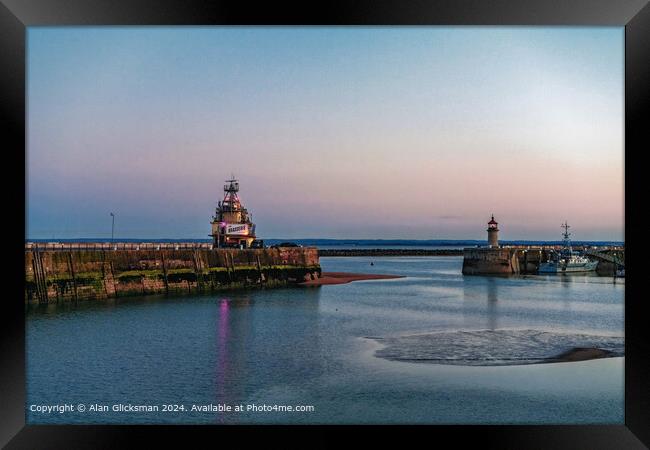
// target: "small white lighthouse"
[[493, 233]]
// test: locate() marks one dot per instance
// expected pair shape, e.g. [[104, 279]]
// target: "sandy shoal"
[[345, 277], [580, 354]]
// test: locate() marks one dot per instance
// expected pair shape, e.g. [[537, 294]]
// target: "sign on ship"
[[239, 229]]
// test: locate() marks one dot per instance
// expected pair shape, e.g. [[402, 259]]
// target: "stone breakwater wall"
[[478, 261], [56, 276], [503, 260], [509, 260]]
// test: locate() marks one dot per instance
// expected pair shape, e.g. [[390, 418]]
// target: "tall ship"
[[232, 225], [567, 261]]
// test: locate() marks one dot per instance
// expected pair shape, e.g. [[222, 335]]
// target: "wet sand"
[[345, 277], [497, 347], [581, 354]]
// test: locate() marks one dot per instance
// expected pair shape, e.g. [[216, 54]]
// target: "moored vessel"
[[232, 224], [567, 261]]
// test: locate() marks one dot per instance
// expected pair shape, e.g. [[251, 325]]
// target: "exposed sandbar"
[[498, 347], [581, 354], [345, 277]]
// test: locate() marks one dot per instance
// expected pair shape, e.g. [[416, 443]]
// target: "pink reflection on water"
[[222, 352]]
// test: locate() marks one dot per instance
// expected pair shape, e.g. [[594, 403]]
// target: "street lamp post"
[[113, 228]]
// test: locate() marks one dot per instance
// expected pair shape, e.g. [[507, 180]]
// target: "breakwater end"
[[65, 272], [497, 261]]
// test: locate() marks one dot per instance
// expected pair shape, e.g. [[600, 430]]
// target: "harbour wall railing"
[[68, 246]]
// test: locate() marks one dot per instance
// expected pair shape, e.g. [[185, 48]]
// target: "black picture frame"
[[634, 15]]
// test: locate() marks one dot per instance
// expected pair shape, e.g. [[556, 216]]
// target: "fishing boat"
[[567, 261]]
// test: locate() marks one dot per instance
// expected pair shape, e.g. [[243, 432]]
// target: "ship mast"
[[231, 198], [566, 239]]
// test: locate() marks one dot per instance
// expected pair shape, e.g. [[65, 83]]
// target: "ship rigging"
[[567, 261], [232, 224]]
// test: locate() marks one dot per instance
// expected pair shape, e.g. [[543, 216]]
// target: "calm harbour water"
[[313, 346]]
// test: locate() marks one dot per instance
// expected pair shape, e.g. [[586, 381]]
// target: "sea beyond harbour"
[[327, 348], [344, 244]]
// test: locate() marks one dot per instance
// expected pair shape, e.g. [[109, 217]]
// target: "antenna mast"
[[566, 234]]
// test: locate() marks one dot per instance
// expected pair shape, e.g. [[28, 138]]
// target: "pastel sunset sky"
[[359, 132]]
